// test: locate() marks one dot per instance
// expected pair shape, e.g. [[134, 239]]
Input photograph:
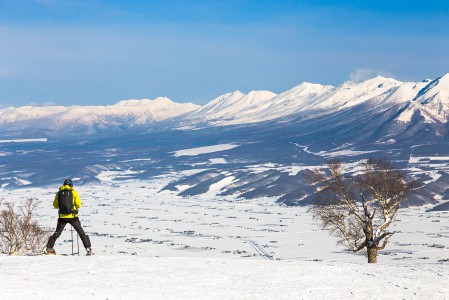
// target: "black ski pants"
[[75, 222]]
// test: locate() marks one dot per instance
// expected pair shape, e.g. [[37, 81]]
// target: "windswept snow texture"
[[152, 244]]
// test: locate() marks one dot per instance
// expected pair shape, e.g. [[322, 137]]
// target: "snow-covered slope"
[[307, 99], [301, 97], [228, 107], [431, 102], [315, 99], [130, 277]]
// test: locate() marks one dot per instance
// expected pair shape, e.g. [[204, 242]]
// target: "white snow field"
[[155, 245], [134, 277]]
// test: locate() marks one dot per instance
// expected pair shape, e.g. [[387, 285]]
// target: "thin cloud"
[[42, 104], [363, 74]]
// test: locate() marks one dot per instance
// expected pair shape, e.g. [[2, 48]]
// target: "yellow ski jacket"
[[76, 202]]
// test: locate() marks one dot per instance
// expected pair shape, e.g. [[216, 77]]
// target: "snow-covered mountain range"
[[428, 99], [127, 113], [247, 145]]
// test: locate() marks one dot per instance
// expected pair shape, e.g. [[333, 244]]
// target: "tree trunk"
[[372, 255]]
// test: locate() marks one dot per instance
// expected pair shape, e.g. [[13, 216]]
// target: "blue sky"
[[93, 52]]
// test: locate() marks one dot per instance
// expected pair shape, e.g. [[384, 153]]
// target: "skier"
[[68, 202]]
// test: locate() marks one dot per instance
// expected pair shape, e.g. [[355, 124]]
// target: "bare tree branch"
[[19, 233], [349, 205]]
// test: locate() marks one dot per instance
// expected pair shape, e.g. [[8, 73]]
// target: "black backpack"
[[65, 199]]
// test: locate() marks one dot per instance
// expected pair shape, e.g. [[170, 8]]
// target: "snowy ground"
[[128, 277], [157, 245]]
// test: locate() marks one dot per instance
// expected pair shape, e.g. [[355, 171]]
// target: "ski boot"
[[89, 252], [50, 251]]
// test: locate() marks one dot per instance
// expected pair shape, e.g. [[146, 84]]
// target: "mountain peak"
[[143, 102], [380, 80], [261, 93], [235, 93], [310, 87], [432, 101], [380, 77], [444, 79], [440, 84], [255, 97]]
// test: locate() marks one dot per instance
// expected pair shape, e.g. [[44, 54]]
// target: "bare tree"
[[19, 232], [359, 208]]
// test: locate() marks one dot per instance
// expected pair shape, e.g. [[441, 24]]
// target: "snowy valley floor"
[[152, 245]]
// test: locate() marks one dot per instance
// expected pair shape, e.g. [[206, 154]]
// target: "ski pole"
[[78, 242], [71, 231]]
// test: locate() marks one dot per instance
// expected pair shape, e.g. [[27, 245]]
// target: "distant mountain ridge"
[[159, 109], [428, 99], [90, 119]]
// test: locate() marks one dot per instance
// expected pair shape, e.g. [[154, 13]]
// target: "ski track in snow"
[[155, 245]]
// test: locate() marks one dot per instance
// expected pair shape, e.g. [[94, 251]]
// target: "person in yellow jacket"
[[68, 216]]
